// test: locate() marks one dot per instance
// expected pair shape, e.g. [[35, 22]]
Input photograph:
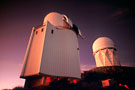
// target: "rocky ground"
[[120, 78]]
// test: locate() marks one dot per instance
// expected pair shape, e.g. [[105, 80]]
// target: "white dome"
[[101, 43], [57, 19]]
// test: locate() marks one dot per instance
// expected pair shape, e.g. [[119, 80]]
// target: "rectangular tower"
[[51, 52]]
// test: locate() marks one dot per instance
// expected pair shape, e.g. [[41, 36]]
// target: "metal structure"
[[104, 52], [52, 51]]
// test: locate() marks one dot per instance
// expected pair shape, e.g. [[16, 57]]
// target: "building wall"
[[60, 53], [106, 57], [34, 52]]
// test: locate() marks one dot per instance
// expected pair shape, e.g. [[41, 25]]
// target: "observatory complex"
[[104, 52], [52, 51], [52, 56]]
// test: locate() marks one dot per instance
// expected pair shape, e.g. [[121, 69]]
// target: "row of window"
[[52, 31], [41, 31]]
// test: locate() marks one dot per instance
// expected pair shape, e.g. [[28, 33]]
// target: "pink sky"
[[9, 77]]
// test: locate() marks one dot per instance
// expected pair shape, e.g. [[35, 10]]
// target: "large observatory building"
[[104, 52], [52, 51]]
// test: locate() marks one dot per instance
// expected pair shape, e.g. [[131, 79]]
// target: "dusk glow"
[[95, 19]]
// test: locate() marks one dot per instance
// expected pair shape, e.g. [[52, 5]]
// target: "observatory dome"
[[101, 43], [57, 19]]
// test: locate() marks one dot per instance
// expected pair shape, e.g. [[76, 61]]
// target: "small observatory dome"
[[58, 20], [104, 52], [101, 43]]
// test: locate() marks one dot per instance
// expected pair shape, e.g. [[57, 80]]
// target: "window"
[[52, 31], [65, 18], [42, 30], [36, 32]]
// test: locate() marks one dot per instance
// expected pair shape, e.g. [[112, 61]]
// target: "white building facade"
[[53, 49]]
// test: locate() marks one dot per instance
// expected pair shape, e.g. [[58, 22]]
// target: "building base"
[[32, 82]]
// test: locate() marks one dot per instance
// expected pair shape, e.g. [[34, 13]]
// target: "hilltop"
[[99, 78]]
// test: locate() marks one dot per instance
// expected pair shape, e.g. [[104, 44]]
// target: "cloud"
[[121, 16], [129, 64], [120, 12], [86, 67]]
